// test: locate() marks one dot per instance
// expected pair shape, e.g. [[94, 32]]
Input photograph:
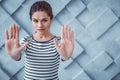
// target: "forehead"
[[40, 15]]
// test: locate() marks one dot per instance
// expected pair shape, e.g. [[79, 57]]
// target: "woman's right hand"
[[12, 45]]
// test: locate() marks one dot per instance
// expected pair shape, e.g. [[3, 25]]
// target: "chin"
[[40, 33]]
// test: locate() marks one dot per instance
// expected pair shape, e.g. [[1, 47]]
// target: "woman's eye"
[[44, 20], [35, 21]]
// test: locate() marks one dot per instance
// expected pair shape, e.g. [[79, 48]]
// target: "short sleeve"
[[22, 41], [58, 38], [25, 39]]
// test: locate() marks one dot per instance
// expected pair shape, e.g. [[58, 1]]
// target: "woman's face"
[[41, 22]]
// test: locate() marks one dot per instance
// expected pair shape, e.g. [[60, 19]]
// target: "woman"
[[42, 50]]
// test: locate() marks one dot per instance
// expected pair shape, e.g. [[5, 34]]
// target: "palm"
[[12, 46], [66, 46]]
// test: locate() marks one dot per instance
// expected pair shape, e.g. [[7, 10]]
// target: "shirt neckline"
[[43, 41]]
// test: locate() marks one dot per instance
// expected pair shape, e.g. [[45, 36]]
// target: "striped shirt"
[[41, 60]]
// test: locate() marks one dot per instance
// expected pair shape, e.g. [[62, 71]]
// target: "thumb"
[[56, 44], [24, 45]]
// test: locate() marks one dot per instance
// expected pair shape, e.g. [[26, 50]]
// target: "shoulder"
[[58, 38], [25, 39]]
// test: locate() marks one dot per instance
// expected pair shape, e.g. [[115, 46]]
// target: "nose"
[[39, 24]]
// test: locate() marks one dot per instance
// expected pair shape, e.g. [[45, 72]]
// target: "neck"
[[42, 37]]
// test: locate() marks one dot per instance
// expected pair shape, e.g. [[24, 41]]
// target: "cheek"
[[48, 25], [34, 25]]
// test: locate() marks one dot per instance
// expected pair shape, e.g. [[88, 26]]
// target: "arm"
[[66, 46]]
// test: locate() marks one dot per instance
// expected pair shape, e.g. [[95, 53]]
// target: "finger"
[[22, 47], [7, 36], [13, 30], [68, 33], [56, 44], [72, 36], [65, 32], [62, 32], [17, 33]]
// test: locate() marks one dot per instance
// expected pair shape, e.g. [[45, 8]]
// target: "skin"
[[12, 45], [41, 24]]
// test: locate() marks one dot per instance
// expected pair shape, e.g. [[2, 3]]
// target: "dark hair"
[[41, 6]]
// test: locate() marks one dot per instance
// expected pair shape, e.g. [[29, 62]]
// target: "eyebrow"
[[38, 19]]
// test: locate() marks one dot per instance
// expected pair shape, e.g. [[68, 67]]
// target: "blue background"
[[96, 24]]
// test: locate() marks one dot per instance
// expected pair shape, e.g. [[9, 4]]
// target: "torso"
[[41, 60]]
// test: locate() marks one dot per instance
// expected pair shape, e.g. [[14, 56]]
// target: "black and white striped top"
[[41, 60]]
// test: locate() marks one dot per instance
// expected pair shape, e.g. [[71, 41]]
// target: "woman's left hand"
[[66, 46]]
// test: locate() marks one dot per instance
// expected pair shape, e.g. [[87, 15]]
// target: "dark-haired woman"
[[43, 50]]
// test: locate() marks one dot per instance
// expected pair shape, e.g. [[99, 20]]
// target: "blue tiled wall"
[[96, 24]]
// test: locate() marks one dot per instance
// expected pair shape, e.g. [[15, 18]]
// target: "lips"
[[40, 29]]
